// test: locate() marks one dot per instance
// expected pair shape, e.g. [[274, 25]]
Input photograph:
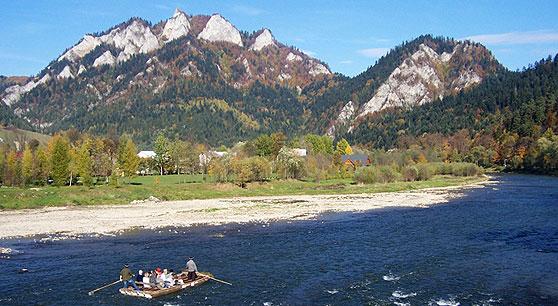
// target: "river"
[[496, 245]]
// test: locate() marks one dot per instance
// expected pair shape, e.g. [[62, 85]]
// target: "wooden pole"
[[101, 288], [215, 279]]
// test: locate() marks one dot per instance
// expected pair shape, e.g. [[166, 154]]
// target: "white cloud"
[[374, 52], [515, 38], [346, 62]]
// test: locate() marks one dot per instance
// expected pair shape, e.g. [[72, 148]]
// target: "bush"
[[425, 172], [372, 174], [410, 173], [367, 175], [389, 174], [457, 169], [288, 165], [252, 169]]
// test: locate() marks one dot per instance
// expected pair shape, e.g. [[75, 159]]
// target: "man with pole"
[[191, 268], [126, 277]]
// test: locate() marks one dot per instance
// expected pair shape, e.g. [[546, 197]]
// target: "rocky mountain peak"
[[264, 39], [426, 75], [219, 29], [177, 26], [413, 74]]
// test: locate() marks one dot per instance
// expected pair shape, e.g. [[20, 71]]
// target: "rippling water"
[[495, 246]]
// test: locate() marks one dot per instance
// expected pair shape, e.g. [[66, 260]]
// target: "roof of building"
[[361, 158]]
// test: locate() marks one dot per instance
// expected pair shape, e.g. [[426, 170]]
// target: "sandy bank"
[[108, 219]]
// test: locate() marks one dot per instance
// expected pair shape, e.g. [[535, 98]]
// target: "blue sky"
[[348, 35]]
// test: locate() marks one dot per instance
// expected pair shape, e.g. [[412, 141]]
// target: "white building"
[[299, 152], [146, 154], [206, 157]]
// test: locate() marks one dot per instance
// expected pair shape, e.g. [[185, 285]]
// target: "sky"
[[347, 35]]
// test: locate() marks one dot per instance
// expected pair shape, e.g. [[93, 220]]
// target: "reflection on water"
[[495, 246]]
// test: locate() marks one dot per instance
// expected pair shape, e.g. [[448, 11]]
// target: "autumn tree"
[[27, 165], [12, 170], [343, 147], [128, 160], [279, 140], [84, 162]]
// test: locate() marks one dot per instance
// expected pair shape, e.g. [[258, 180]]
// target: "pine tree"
[[60, 160]]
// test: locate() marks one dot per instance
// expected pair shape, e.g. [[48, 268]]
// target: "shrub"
[[425, 172], [367, 175], [375, 174], [388, 174], [457, 169], [288, 165], [410, 173], [252, 169]]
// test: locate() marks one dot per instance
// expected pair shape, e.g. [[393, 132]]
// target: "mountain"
[[199, 77], [415, 73], [194, 76], [513, 108]]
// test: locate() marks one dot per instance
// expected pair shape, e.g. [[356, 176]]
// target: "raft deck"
[[155, 292]]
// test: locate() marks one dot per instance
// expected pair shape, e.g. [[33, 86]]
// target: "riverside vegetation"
[[80, 169]]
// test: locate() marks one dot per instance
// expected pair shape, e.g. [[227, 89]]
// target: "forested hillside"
[[510, 117]]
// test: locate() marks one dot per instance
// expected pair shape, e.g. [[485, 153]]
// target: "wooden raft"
[[150, 293]]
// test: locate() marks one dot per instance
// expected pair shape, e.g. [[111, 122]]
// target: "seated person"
[[145, 280], [152, 277], [169, 280]]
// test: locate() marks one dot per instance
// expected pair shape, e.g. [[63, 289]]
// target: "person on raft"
[[127, 278], [191, 268]]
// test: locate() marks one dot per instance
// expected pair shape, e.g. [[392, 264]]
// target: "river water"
[[497, 245]]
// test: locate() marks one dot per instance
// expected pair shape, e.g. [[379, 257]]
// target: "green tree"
[[319, 144], [161, 147], [179, 153], [264, 145], [60, 160], [42, 166]]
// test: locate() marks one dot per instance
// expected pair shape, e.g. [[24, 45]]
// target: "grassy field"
[[184, 187]]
